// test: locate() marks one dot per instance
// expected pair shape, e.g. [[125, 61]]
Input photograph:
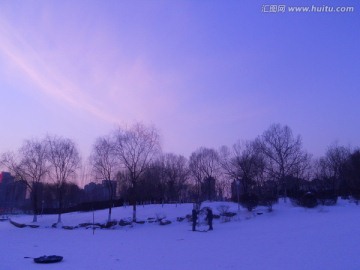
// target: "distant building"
[[12, 193], [6, 178], [208, 189], [110, 186], [100, 192]]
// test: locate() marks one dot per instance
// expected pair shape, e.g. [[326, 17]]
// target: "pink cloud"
[[34, 67]]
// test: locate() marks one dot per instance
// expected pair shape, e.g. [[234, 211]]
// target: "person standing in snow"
[[209, 218], [194, 219]]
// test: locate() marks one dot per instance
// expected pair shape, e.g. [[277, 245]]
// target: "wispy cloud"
[[48, 79], [110, 89]]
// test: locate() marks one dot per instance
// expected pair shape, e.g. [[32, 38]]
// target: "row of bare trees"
[[128, 150], [338, 172], [52, 158], [263, 166], [273, 164]]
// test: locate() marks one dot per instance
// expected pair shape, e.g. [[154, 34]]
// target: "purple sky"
[[205, 73]]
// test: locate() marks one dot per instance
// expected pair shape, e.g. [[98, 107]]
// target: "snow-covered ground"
[[287, 238]]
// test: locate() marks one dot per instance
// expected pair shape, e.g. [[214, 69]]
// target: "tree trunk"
[[134, 193], [109, 216], [111, 197], [34, 202], [60, 204], [134, 211]]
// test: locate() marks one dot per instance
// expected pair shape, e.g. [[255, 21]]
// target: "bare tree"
[[105, 166], [283, 153], [136, 148], [176, 174], [64, 159], [31, 166], [153, 183], [226, 157], [329, 169], [245, 163], [352, 174], [204, 165], [335, 158]]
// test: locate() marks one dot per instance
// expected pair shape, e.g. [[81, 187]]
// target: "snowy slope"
[[288, 238]]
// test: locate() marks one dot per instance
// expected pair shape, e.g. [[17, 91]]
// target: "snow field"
[[287, 238]]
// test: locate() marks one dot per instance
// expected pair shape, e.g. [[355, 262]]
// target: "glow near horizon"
[[196, 71]]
